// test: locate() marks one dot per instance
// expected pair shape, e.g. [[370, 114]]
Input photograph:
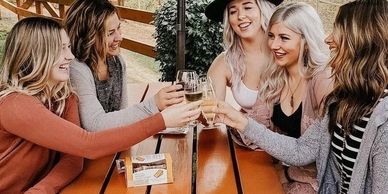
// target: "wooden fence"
[[22, 10]]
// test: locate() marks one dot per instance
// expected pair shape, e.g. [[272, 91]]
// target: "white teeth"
[[244, 25]]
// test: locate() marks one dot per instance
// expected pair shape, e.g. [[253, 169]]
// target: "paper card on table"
[[148, 170]]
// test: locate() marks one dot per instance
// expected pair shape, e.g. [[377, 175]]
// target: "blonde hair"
[[235, 53], [314, 53], [32, 48], [360, 61], [85, 24]]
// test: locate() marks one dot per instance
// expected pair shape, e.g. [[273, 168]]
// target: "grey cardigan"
[[93, 116], [370, 173]]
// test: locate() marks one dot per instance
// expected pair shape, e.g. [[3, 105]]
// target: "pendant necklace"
[[292, 93]]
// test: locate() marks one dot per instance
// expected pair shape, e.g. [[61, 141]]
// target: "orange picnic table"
[[204, 161]]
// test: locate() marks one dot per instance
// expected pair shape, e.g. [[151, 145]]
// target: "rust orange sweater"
[[30, 135]]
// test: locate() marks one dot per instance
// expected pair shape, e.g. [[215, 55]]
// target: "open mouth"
[[245, 25], [64, 67], [279, 54]]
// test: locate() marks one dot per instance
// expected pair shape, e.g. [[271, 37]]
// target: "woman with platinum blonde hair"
[[246, 55], [349, 141], [295, 85], [99, 74], [41, 142]]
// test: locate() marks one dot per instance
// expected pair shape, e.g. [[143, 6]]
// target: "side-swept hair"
[[314, 53], [232, 43], [32, 48], [85, 24], [360, 61]]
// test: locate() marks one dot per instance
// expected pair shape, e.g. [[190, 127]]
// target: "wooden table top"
[[204, 161]]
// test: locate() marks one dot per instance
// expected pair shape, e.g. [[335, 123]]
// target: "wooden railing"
[[22, 10]]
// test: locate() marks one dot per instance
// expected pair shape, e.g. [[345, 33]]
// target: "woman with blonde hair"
[[349, 143], [246, 55], [41, 143], [99, 75]]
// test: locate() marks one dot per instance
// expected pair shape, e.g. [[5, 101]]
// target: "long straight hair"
[[235, 53], [303, 19], [360, 61], [32, 48], [85, 24]]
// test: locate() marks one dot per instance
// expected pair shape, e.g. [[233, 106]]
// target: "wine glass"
[[183, 75], [209, 102]]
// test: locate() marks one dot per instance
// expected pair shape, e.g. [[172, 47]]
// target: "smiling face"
[[61, 71], [284, 44], [330, 40], [244, 18], [113, 32]]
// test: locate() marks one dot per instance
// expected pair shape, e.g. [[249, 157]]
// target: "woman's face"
[[284, 44], [61, 71], [244, 18], [330, 40], [113, 32]]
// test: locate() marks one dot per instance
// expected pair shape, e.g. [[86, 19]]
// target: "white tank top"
[[244, 96]]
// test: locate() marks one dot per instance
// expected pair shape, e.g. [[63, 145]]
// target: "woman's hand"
[[230, 116], [181, 114], [168, 96]]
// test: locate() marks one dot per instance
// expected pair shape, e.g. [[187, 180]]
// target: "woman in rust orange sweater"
[[41, 143]]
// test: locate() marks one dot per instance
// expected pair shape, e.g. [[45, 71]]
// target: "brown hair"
[[360, 61], [85, 24]]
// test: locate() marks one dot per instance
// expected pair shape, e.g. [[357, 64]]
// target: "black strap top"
[[290, 125]]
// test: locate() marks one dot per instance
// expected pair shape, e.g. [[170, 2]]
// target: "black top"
[[290, 125], [109, 91]]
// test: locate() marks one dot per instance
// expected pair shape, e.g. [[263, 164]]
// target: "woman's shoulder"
[[16, 98], [219, 65]]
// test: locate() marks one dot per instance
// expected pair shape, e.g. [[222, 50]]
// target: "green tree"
[[203, 38]]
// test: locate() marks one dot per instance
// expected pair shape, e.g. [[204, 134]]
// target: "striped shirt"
[[346, 151]]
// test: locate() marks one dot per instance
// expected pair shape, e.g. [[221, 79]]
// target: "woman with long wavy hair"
[[99, 74], [350, 141], [41, 143], [246, 55]]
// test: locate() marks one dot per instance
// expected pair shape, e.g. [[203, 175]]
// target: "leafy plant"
[[203, 38]]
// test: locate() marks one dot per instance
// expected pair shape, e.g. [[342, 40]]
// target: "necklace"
[[292, 93]]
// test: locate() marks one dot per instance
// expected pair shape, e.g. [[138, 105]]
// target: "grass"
[[3, 35]]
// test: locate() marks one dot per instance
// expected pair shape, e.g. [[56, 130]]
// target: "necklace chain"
[[292, 93]]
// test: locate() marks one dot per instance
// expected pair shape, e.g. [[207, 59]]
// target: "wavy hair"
[[360, 61], [235, 53], [32, 48], [313, 55], [85, 24]]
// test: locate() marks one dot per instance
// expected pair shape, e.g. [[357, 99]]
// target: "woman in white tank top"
[[246, 54]]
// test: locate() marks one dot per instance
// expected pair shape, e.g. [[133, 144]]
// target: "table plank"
[[257, 172], [181, 151], [215, 168], [95, 171], [148, 146]]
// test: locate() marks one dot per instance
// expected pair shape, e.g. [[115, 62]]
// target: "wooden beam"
[[50, 9], [138, 47], [135, 15], [38, 7], [64, 2], [62, 11], [27, 4]]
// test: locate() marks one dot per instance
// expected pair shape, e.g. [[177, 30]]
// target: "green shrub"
[[203, 38]]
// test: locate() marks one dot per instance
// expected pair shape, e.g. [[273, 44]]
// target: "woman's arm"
[[220, 74], [379, 163], [26, 117], [297, 152], [93, 115], [68, 166]]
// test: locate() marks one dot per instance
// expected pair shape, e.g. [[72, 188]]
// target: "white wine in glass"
[[209, 102]]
